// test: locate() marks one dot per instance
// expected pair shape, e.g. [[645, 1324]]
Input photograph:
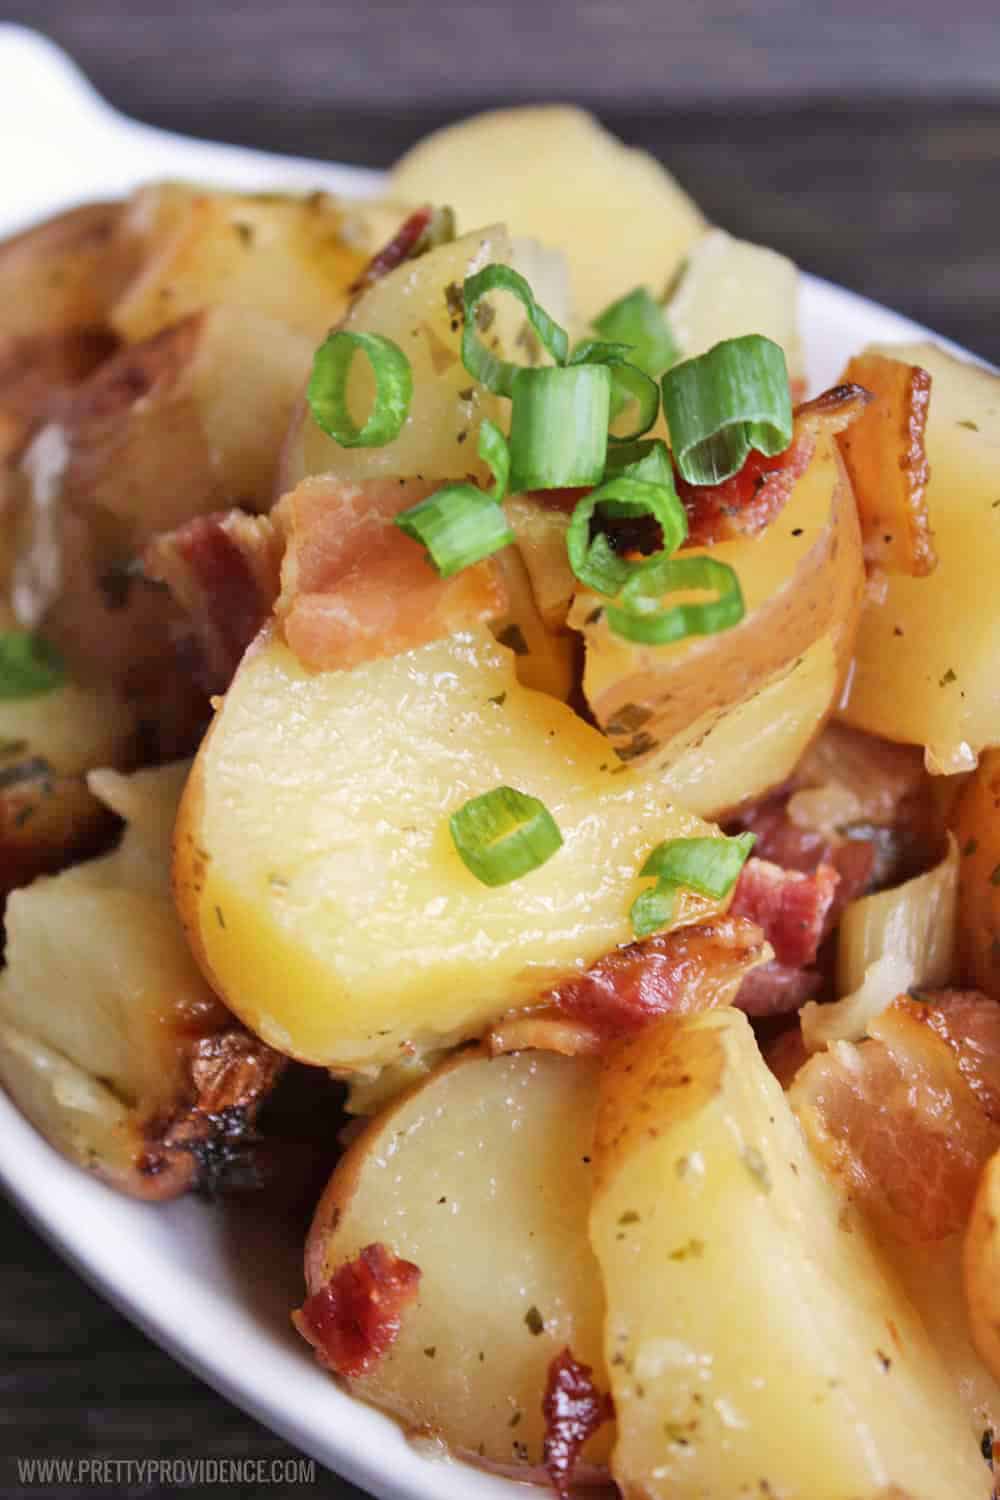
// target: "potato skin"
[[981, 1265]]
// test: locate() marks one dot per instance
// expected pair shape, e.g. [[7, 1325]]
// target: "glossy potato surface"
[[481, 1177], [317, 877], [977, 829], [752, 1336], [927, 651]]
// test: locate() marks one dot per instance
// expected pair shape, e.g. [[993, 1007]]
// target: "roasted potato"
[[481, 1177], [419, 307], [65, 273], [754, 1340], [110, 1040], [981, 1265], [721, 718], [317, 878], [553, 173], [925, 664], [48, 815], [285, 258]]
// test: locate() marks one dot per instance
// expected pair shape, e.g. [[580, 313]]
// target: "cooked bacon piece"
[[786, 1054], [776, 989], [355, 1318], [689, 969], [969, 1022], [574, 1409], [885, 456], [353, 587], [402, 245], [791, 907], [894, 1118], [745, 504], [878, 782], [544, 1030], [224, 572]]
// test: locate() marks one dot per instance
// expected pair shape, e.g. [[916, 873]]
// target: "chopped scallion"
[[648, 459], [638, 320], [327, 391], [29, 666], [458, 524], [726, 402], [559, 427], [503, 835], [491, 371], [630, 383], [639, 615], [709, 866], [592, 557], [652, 908]]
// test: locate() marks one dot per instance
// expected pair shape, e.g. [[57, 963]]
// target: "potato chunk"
[[977, 829], [317, 877], [753, 1338], [553, 173], [925, 668], [110, 1040], [723, 717], [481, 1177]]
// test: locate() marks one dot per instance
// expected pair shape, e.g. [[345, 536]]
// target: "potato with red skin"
[[480, 1177]]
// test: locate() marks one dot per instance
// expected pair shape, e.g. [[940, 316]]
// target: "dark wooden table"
[[867, 149]]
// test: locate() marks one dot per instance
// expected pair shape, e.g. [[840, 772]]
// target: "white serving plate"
[[211, 1285]]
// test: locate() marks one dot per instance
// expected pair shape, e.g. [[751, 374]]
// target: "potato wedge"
[[981, 1265], [977, 829], [64, 273], [754, 1340], [925, 665], [110, 1040], [317, 878], [729, 287], [419, 307], [553, 173], [721, 718], [481, 1177], [290, 259]]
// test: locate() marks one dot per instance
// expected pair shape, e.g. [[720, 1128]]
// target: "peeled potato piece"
[[977, 829], [481, 1177], [315, 871], [110, 1040], [925, 664], [981, 1261], [419, 307], [553, 173], [730, 287], [723, 717], [754, 1340]]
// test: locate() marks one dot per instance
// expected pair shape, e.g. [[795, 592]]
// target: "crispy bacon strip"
[[895, 1119], [776, 989], [355, 1318], [969, 1022], [690, 969], [790, 906], [574, 1409], [402, 245], [887, 461], [353, 587], [223, 570], [745, 504]]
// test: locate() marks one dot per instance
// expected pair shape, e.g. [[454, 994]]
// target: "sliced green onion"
[[494, 452], [724, 403], [708, 866], [639, 616], [29, 666], [559, 427], [629, 384], [458, 524], [648, 460], [652, 909], [593, 559], [327, 391], [494, 373], [638, 320], [504, 834]]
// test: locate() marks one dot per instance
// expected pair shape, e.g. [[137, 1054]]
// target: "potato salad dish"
[[459, 684]]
